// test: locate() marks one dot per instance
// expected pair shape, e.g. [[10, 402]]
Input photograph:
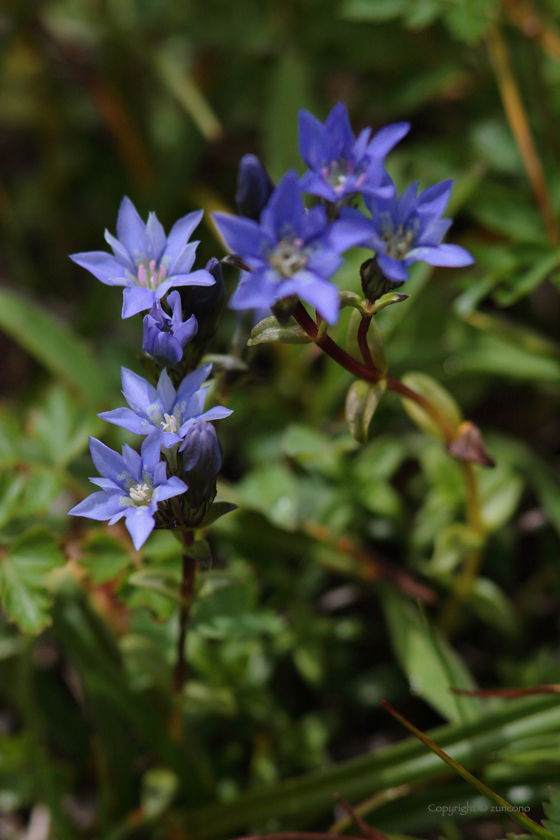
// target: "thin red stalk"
[[362, 340], [366, 829]]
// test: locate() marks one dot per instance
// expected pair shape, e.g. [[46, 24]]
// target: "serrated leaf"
[[427, 387], [552, 811], [24, 570], [362, 400]]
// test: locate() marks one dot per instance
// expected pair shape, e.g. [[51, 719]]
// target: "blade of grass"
[[535, 829]]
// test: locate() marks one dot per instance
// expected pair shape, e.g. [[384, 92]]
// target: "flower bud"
[[254, 187], [165, 336], [202, 458], [374, 282]]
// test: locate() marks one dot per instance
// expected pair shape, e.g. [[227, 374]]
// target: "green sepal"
[[270, 331], [361, 401], [215, 511], [352, 299], [387, 300]]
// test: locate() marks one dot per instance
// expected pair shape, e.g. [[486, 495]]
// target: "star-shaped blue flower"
[[293, 251], [341, 164], [165, 408], [166, 335], [409, 229], [144, 260], [132, 486]]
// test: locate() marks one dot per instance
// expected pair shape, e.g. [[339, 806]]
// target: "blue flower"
[[340, 164], [145, 261], [132, 486], [166, 409], [202, 459], [409, 229], [166, 335], [254, 187], [293, 251]]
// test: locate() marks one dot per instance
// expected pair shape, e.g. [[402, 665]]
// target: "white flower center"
[[169, 424], [399, 242], [288, 258], [141, 494]]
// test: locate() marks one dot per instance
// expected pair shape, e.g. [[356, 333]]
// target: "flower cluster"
[[291, 252], [172, 482]]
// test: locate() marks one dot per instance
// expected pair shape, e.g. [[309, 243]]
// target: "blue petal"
[[434, 232], [155, 235], [255, 291], [151, 451], [165, 392], [120, 252], [219, 412], [337, 127], [131, 230], [105, 484], [103, 266], [186, 331], [108, 463], [191, 383], [138, 392], [102, 505], [452, 256], [391, 268], [361, 144], [133, 462], [325, 263], [196, 404], [136, 299], [242, 236], [195, 278], [350, 230], [185, 260], [173, 487], [127, 419], [314, 223], [387, 139], [166, 346], [319, 293], [140, 524], [310, 139], [284, 213], [406, 204], [314, 185], [434, 199], [180, 234]]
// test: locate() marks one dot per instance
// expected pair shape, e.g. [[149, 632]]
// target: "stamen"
[[141, 494], [169, 424]]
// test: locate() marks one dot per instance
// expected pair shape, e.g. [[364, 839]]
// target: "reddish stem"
[[360, 371], [187, 591], [362, 341]]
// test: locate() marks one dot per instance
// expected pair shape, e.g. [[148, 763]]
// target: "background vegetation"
[[310, 614]]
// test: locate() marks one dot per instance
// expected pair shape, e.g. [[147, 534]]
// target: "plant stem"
[[519, 124], [362, 340], [360, 371], [187, 589]]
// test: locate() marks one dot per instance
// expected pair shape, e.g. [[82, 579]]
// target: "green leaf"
[[24, 573], [200, 550], [500, 491], [269, 331], [427, 659], [492, 605], [431, 390], [53, 344], [374, 10], [160, 581], [104, 556], [61, 427], [159, 786], [552, 811], [362, 400]]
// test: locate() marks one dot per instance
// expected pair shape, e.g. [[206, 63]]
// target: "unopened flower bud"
[[254, 187], [202, 458]]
